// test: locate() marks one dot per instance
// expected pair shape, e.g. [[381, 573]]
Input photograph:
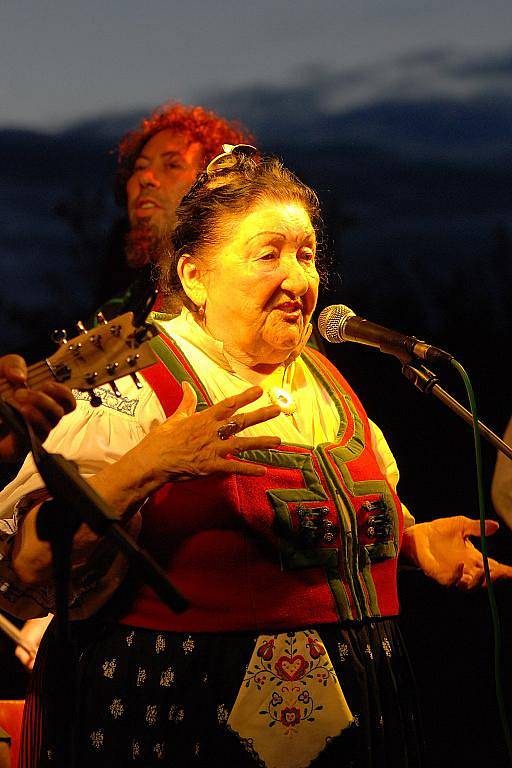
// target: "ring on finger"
[[228, 430]]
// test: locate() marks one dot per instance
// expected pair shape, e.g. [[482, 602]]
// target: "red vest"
[[315, 540]]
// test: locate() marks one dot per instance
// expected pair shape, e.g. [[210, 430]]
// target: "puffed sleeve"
[[501, 489], [92, 438], [388, 465]]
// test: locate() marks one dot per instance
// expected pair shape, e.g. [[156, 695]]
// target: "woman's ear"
[[192, 279]]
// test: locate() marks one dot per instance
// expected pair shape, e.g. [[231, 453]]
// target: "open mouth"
[[146, 207], [292, 310], [290, 306]]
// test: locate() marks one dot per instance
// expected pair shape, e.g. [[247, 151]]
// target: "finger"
[[42, 407], [240, 444], [234, 467], [188, 402], [471, 579], [227, 407], [464, 584], [457, 575], [61, 394], [13, 368], [257, 417], [499, 570], [27, 659], [41, 412], [471, 527]]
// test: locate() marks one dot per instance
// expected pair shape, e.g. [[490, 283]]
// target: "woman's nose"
[[295, 280]]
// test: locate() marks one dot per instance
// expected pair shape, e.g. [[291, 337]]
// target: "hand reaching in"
[[43, 408], [443, 551]]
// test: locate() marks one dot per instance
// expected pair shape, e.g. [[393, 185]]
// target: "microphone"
[[338, 323]]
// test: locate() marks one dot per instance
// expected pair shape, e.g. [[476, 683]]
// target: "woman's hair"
[[218, 200]]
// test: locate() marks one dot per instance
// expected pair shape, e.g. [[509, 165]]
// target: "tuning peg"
[[100, 318], [91, 377], [95, 399], [145, 333], [138, 383], [115, 330], [132, 360], [59, 336], [111, 368], [113, 387], [81, 327]]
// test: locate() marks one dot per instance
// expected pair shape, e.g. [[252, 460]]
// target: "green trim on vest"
[[342, 455], [333, 392], [346, 512], [177, 369], [162, 317]]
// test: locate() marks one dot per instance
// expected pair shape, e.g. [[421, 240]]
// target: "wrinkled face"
[[261, 285], [164, 172]]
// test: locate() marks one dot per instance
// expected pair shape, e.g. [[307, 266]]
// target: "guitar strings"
[[36, 374]]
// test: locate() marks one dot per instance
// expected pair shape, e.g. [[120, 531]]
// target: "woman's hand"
[[43, 409], [189, 444], [441, 548], [186, 446]]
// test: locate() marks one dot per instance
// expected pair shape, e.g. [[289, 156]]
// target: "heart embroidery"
[[291, 668]]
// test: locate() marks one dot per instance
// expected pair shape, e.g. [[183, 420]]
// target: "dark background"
[[418, 212]]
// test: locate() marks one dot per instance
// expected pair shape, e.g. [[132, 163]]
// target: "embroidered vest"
[[315, 540]]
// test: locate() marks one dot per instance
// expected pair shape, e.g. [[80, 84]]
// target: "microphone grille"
[[331, 321]]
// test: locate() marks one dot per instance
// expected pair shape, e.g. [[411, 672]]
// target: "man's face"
[[164, 172]]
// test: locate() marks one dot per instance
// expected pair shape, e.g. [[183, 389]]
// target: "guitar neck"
[[38, 375]]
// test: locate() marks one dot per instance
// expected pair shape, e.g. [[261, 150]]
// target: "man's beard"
[[142, 245]]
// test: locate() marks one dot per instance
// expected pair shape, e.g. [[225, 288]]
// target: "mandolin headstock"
[[98, 356]]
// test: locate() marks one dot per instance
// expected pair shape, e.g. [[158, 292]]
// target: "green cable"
[[490, 588]]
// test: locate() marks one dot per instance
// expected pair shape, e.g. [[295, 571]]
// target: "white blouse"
[[95, 436]]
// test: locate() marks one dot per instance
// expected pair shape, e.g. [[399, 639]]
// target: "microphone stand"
[[427, 383], [76, 502]]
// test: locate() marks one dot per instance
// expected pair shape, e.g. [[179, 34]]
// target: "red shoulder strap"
[[166, 376]]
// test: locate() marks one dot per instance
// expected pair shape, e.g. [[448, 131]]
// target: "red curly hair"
[[193, 123]]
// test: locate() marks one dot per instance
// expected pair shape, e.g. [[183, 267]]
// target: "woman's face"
[[261, 284]]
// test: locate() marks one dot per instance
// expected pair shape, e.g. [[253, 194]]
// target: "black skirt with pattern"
[[148, 698]]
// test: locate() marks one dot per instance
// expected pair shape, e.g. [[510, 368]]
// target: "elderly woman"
[[285, 539]]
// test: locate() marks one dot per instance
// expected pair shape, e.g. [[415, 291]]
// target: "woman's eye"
[[268, 256], [306, 255]]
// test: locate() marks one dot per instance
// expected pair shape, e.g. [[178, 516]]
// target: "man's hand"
[[43, 409], [32, 631], [441, 548]]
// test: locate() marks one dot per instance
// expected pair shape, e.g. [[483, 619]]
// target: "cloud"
[[435, 73], [485, 66], [435, 102]]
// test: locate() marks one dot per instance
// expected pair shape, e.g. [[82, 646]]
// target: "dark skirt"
[[152, 698]]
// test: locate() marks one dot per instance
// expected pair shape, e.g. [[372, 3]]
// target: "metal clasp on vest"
[[378, 526], [313, 527]]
